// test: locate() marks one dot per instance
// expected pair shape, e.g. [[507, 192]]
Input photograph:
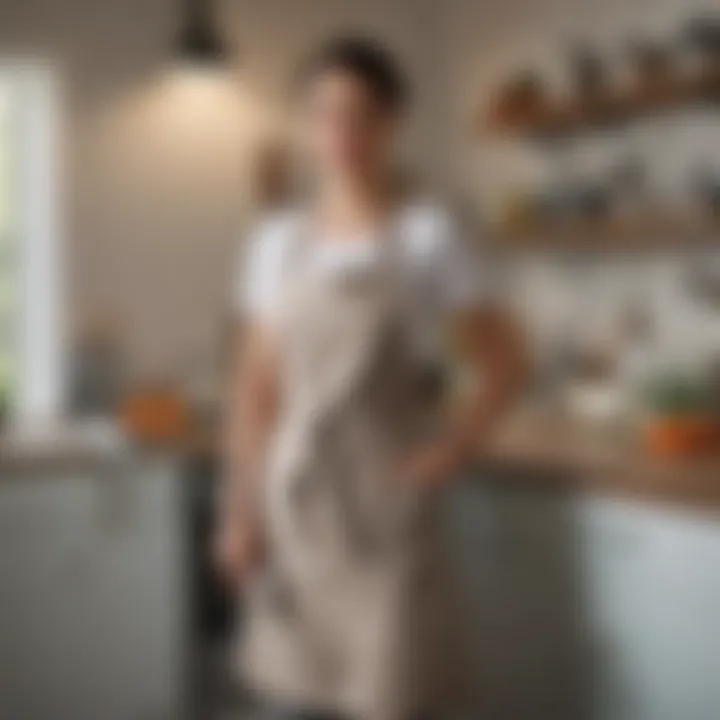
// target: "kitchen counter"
[[95, 566], [67, 445], [533, 447], [555, 450]]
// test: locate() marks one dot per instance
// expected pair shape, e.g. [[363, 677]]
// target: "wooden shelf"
[[609, 107], [649, 234]]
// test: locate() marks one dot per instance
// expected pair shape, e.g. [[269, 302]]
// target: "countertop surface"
[[533, 447], [60, 445], [553, 448]]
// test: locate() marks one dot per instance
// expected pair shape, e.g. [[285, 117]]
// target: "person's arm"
[[492, 350], [250, 419]]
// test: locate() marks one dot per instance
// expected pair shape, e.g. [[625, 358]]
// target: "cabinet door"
[[517, 551], [652, 580], [92, 595]]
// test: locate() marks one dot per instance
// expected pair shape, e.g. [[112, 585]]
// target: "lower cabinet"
[[93, 622], [517, 554], [652, 586], [584, 607], [579, 607]]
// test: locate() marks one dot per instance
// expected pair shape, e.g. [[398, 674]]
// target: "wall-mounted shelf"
[[609, 107], [650, 233]]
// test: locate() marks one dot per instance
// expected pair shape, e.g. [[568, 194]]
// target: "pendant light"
[[199, 43]]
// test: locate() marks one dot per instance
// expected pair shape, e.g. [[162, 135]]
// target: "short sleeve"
[[462, 274], [258, 277]]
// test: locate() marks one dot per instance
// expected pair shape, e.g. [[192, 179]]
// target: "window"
[[29, 269], [8, 252]]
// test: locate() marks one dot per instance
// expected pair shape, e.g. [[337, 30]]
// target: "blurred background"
[[139, 141]]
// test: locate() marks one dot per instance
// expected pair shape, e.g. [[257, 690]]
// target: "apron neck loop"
[[387, 242]]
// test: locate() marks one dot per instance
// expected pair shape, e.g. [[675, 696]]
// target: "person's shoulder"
[[273, 235], [277, 227], [428, 225], [265, 250]]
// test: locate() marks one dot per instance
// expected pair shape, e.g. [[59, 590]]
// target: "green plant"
[[678, 394]]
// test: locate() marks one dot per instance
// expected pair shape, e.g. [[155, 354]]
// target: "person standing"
[[337, 449]]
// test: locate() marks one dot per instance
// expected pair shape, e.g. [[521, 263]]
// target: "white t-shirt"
[[440, 271]]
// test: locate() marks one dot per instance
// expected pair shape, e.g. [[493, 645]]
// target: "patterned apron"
[[354, 610]]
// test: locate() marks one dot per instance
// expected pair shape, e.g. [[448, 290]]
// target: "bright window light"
[[30, 318]]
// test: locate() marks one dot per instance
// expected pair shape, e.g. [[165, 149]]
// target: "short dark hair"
[[368, 61]]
